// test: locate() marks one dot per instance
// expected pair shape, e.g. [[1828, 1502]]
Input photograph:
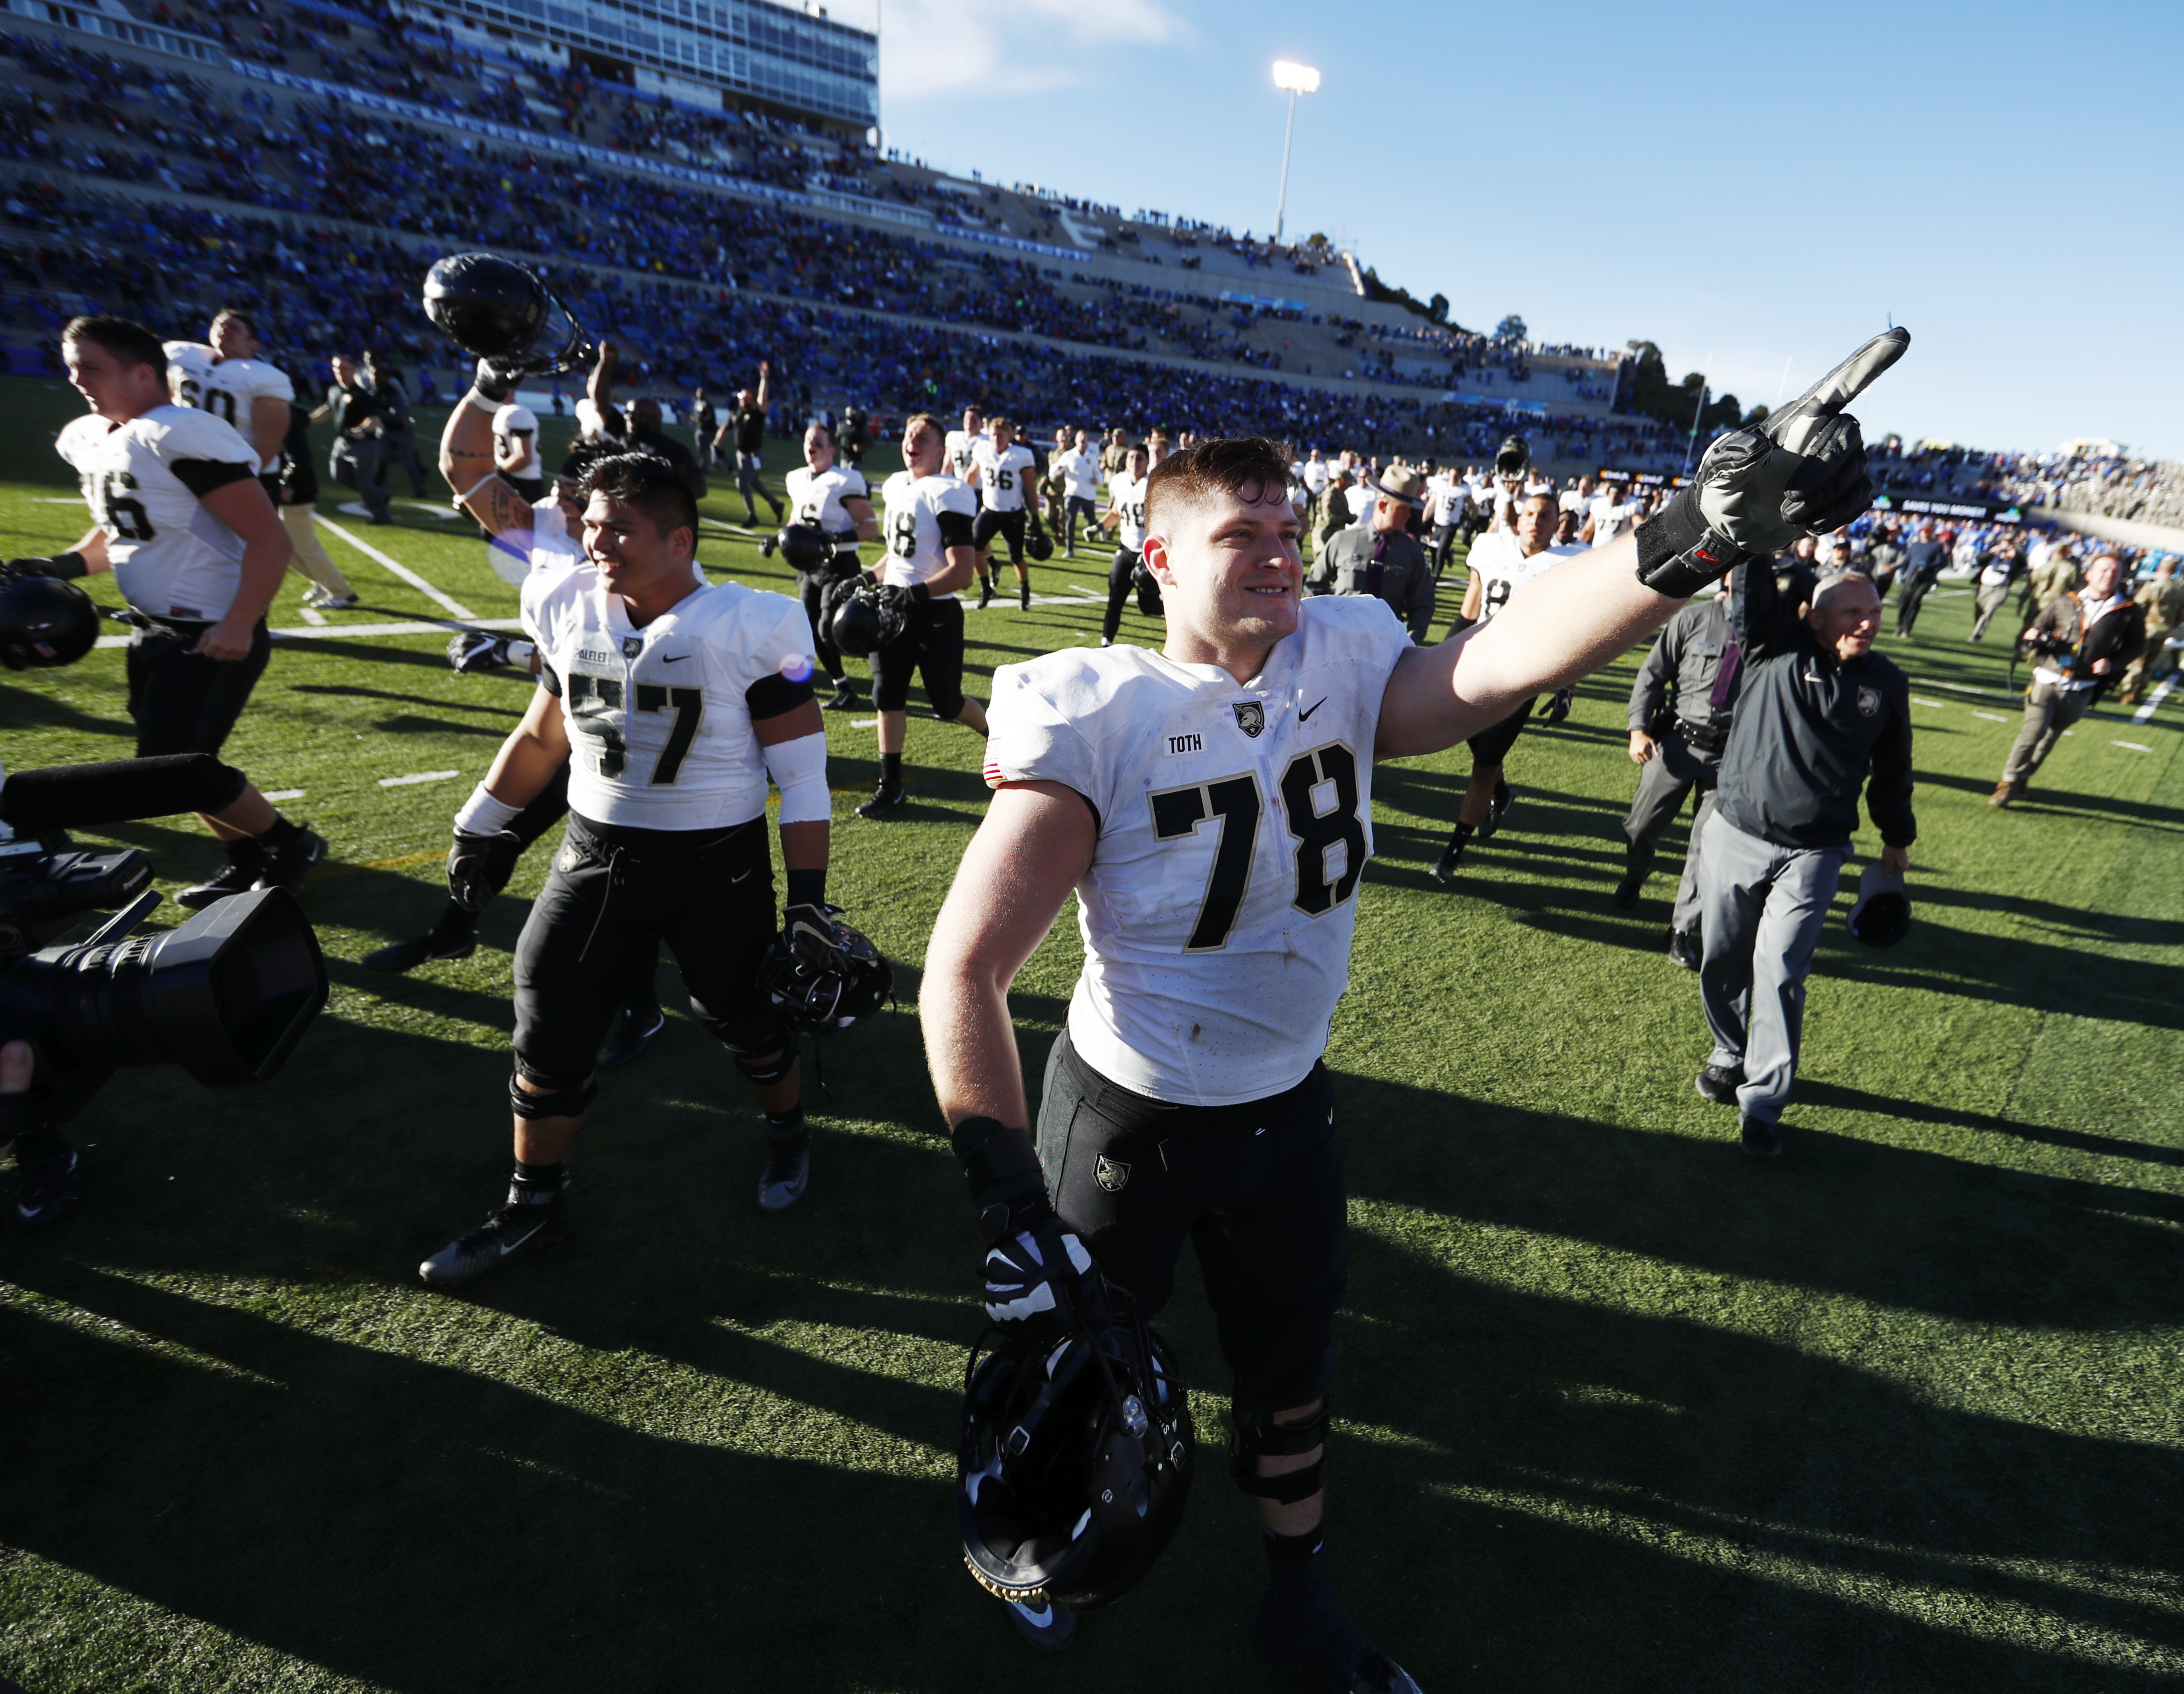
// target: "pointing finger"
[[1850, 379]]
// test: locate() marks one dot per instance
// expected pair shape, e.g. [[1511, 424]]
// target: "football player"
[[1079, 468], [1210, 806], [1501, 561], [1002, 471], [832, 499], [928, 527], [515, 449], [960, 459], [672, 703], [198, 551], [1126, 516]]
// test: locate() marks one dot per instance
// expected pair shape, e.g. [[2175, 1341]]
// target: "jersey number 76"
[[1234, 804]]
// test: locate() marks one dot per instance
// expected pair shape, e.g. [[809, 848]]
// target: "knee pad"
[[1254, 1434], [767, 1071], [559, 1101]]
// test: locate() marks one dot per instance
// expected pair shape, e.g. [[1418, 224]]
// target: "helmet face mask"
[[869, 618], [821, 990], [503, 312]]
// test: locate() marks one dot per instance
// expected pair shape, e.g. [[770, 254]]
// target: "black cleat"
[[48, 1188], [1502, 795], [632, 1035], [1720, 1084], [1443, 870], [1558, 705], [397, 956], [787, 1171], [1316, 1642], [1024, 598], [511, 1227], [1048, 1628], [1626, 891], [1761, 1139], [246, 862], [285, 867], [1685, 948], [985, 594], [844, 697], [886, 802]]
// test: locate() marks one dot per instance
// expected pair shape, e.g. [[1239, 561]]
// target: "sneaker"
[[843, 698], [1626, 891], [1720, 1084], [632, 1035], [238, 876], [1327, 1649], [886, 802], [1107, 641], [511, 1227], [787, 1171], [1048, 1628], [1685, 948], [1443, 870], [286, 866], [48, 1188], [337, 602], [1761, 1139], [397, 956]]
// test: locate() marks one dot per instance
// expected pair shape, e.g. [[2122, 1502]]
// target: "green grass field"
[[1616, 1410]]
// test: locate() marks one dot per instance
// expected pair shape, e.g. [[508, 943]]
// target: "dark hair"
[[651, 485], [125, 339], [241, 316], [1251, 467]]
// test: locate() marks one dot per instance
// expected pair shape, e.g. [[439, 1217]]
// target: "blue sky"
[[1750, 184]]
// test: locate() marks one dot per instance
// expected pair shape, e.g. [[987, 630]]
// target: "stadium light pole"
[[1298, 79]]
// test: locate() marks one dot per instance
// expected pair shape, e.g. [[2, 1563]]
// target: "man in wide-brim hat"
[[1383, 558]]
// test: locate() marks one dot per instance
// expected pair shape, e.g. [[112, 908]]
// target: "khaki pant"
[[309, 559], [2048, 711], [2146, 663]]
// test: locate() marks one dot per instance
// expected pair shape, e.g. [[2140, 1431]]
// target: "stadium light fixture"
[[1297, 79]]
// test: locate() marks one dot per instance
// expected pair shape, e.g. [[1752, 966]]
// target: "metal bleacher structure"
[[1193, 297]]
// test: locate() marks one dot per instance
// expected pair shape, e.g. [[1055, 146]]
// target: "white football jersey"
[[916, 548], [188, 364], [510, 421], [1127, 494], [660, 718], [1001, 475], [142, 479], [1497, 557], [817, 497], [1315, 473], [1611, 515], [1234, 819], [959, 452]]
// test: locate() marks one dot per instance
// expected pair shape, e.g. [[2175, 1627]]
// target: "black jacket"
[[1809, 728], [2060, 635]]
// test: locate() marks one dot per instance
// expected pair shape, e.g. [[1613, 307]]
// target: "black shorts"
[[709, 897], [181, 701], [931, 644], [1492, 745], [1256, 1188], [1009, 526], [532, 488]]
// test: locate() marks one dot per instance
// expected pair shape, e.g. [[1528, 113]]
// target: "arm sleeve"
[[1029, 740], [1764, 626], [799, 770], [1888, 790], [955, 528], [1650, 691], [202, 475], [1422, 600], [778, 663]]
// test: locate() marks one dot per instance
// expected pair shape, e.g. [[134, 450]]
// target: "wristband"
[[490, 386], [920, 593], [808, 888], [484, 814], [68, 567], [1680, 553]]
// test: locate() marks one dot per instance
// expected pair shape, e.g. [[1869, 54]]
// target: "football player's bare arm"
[[1034, 846], [91, 549], [535, 749], [269, 426], [962, 566], [1474, 596], [765, 385], [244, 507], [861, 514], [599, 386], [1561, 627], [468, 463]]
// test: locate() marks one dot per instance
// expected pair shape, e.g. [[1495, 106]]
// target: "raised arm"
[[466, 460]]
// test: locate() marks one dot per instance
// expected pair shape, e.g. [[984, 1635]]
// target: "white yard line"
[[2159, 694], [344, 630], [1991, 717], [1939, 706], [2133, 745], [316, 619], [453, 608], [286, 793], [422, 776]]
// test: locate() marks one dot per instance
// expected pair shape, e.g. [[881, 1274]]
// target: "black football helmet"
[[1040, 545], [1074, 1463], [503, 313], [45, 621], [804, 546], [822, 982], [1882, 916], [1514, 458], [1148, 588], [870, 616]]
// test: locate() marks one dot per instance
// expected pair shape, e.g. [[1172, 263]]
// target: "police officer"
[[1694, 666], [1384, 558]]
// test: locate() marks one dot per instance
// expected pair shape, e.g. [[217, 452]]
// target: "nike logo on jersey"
[[677, 660], [1306, 713]]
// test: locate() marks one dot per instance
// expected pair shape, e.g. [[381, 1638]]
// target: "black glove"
[[68, 567], [1038, 1275], [470, 883], [480, 650], [1801, 472], [494, 381]]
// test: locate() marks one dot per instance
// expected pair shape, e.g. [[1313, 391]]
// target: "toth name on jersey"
[[1497, 558], [660, 718], [143, 481], [1235, 821], [926, 516], [816, 498], [199, 378]]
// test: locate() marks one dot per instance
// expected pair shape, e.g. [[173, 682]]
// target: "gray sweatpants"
[[1761, 910], [1662, 781], [356, 465]]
